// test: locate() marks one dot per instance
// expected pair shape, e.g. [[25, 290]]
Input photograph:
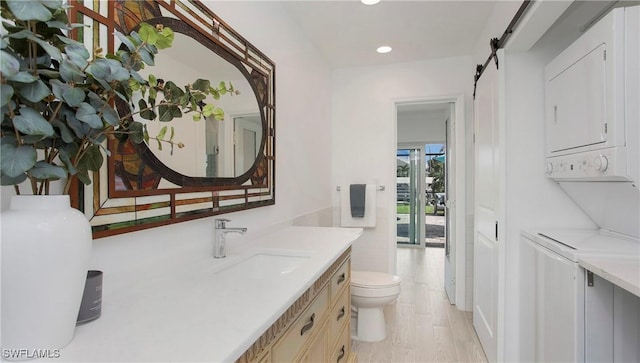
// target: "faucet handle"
[[221, 223]]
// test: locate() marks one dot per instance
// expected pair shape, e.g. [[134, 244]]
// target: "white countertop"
[[619, 270], [189, 313]]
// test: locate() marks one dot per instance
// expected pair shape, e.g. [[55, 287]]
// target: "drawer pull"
[[341, 314], [342, 278], [308, 325], [342, 353]]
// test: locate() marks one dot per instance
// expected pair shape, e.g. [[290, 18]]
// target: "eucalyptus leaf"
[[58, 88], [73, 96], [29, 10], [88, 115], [35, 91], [202, 85], [7, 180], [145, 112], [208, 110], [78, 55], [50, 49], [162, 133], [148, 34], [58, 25], [146, 57], [83, 176], [9, 65], [23, 77], [44, 60], [175, 111], [126, 41], [52, 4], [50, 73], [31, 122], [69, 41], [17, 160], [45, 171], [110, 115], [137, 132], [70, 72], [99, 69], [92, 159], [137, 77], [165, 38], [164, 113], [66, 160], [6, 92], [118, 73], [218, 114], [145, 134], [65, 132], [153, 81], [79, 129]]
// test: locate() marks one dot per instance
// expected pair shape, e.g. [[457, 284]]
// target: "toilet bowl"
[[370, 291]]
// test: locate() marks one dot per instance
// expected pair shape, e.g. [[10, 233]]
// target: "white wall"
[[303, 150], [364, 137]]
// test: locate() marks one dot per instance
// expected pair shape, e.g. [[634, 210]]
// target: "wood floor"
[[421, 325]]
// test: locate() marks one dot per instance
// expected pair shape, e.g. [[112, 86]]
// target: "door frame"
[[457, 195]]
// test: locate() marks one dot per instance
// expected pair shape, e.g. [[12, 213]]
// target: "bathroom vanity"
[[282, 297]]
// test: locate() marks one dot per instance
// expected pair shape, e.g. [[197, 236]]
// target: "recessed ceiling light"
[[383, 49], [369, 2]]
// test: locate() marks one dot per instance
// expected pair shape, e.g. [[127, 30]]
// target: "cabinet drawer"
[[309, 322], [340, 352], [340, 279], [340, 314]]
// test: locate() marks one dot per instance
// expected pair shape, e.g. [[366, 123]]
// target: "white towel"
[[369, 219]]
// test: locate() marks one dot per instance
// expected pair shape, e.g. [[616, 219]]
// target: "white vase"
[[46, 246]]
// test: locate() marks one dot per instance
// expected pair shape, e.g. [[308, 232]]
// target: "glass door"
[[410, 194]]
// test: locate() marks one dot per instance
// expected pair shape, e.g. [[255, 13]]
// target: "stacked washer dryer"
[[581, 311]]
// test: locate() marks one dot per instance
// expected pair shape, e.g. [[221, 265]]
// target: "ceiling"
[[347, 32]]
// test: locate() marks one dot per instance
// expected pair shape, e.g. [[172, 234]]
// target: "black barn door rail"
[[496, 43]]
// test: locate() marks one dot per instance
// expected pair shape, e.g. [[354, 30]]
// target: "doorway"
[[426, 214]]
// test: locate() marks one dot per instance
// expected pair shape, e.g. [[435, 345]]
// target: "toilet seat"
[[374, 284], [373, 280]]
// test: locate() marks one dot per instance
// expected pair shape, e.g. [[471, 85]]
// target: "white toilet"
[[370, 291]]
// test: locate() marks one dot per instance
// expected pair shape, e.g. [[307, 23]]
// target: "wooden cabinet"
[[316, 328]]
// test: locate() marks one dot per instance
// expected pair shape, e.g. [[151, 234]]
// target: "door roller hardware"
[[589, 278]]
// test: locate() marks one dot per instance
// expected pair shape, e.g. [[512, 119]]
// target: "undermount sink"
[[265, 265]]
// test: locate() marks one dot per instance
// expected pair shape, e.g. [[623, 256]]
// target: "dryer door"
[[575, 104]]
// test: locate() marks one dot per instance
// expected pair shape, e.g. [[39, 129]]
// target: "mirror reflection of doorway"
[[247, 131]]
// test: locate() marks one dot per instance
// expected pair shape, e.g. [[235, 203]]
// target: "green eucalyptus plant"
[[57, 98]]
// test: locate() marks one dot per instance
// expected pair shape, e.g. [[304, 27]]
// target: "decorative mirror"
[[224, 166]]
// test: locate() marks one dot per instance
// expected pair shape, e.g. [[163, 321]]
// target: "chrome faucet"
[[219, 238]]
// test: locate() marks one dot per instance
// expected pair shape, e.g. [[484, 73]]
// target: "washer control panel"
[[605, 164]]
